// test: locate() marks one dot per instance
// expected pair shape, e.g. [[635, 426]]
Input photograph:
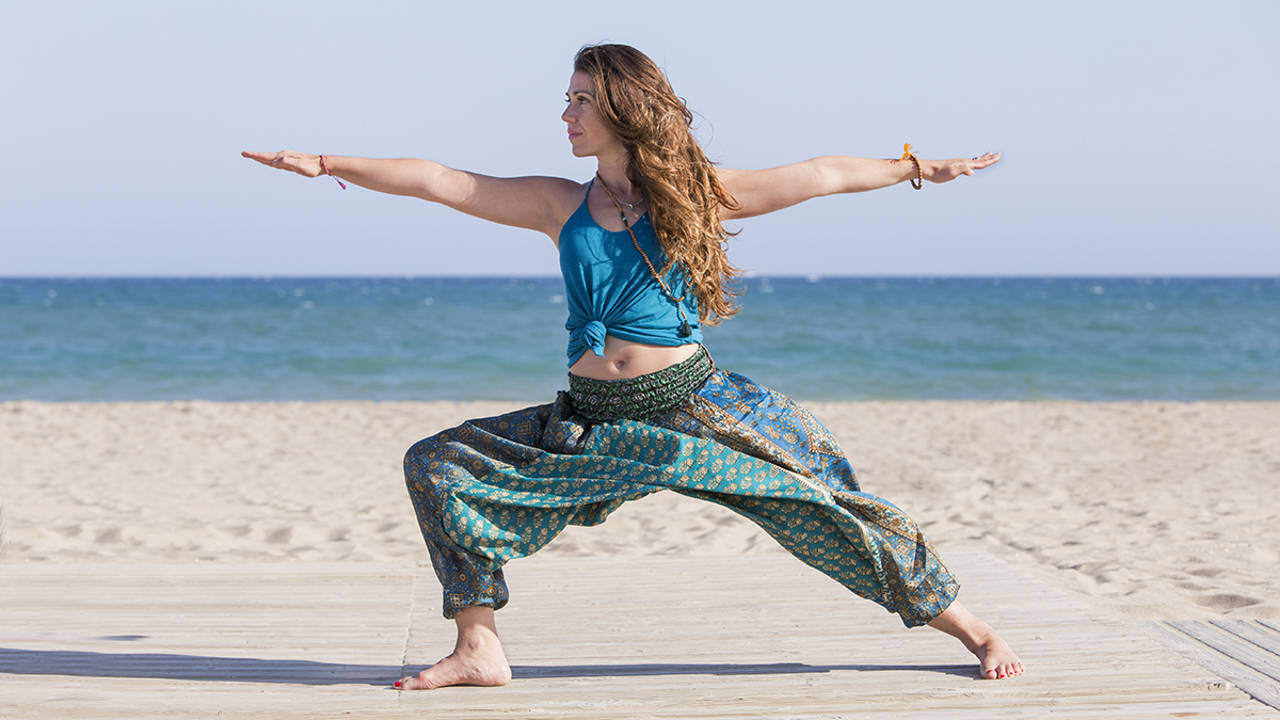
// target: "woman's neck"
[[613, 172]]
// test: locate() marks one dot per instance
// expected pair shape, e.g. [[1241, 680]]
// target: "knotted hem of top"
[[592, 335]]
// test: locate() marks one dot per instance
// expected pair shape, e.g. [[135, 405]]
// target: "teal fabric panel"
[[611, 291]]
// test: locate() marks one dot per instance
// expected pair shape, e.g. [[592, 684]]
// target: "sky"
[[1138, 138]]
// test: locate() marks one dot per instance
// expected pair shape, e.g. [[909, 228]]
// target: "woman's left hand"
[[940, 171]]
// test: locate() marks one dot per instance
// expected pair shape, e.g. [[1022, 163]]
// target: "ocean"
[[310, 339]]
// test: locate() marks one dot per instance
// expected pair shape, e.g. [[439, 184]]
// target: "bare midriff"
[[624, 359]]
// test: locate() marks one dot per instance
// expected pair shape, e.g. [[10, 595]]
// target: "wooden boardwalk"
[[1244, 652], [655, 637]]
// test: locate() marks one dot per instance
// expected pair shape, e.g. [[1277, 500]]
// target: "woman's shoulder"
[[567, 194], [567, 198]]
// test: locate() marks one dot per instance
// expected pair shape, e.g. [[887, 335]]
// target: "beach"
[[1148, 509]]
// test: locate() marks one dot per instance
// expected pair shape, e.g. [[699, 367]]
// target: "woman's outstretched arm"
[[763, 191], [534, 202]]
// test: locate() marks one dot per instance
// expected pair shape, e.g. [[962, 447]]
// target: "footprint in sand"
[[280, 536], [1226, 601]]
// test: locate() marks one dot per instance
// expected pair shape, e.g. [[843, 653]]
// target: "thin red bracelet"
[[325, 169]]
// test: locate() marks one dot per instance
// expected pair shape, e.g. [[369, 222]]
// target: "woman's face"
[[588, 134]]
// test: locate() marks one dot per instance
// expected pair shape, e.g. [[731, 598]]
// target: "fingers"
[[273, 159], [986, 159], [946, 170], [300, 163]]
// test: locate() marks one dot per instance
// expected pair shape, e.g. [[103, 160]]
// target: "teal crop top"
[[610, 290]]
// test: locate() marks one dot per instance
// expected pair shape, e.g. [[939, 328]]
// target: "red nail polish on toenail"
[[398, 683]]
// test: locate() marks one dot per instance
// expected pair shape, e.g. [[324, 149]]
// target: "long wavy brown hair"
[[667, 165]]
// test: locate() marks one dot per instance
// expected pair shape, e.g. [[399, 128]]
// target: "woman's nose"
[[568, 115]]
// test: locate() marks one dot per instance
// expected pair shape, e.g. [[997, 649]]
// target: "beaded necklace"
[[685, 331]]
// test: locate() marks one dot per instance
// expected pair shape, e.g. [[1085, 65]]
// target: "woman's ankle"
[[477, 628]]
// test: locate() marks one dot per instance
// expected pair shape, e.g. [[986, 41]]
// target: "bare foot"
[[996, 659], [460, 669], [477, 658]]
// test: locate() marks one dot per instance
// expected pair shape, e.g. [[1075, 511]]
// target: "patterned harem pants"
[[499, 488]]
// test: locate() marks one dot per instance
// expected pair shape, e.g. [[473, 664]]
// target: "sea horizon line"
[[745, 276]]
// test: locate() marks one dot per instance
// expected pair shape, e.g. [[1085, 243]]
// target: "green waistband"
[[640, 398]]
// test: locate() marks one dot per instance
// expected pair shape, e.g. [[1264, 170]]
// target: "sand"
[[1160, 510]]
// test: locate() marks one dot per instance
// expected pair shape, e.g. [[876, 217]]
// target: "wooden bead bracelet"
[[918, 182]]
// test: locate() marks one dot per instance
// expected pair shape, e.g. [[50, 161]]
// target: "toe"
[[413, 682]]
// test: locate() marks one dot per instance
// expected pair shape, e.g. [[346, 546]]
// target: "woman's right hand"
[[301, 163]]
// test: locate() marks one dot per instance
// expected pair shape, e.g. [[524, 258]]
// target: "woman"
[[641, 249]]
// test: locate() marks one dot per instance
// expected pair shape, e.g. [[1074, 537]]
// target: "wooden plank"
[[660, 637], [196, 640], [1257, 685], [1228, 644], [769, 638], [1255, 632]]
